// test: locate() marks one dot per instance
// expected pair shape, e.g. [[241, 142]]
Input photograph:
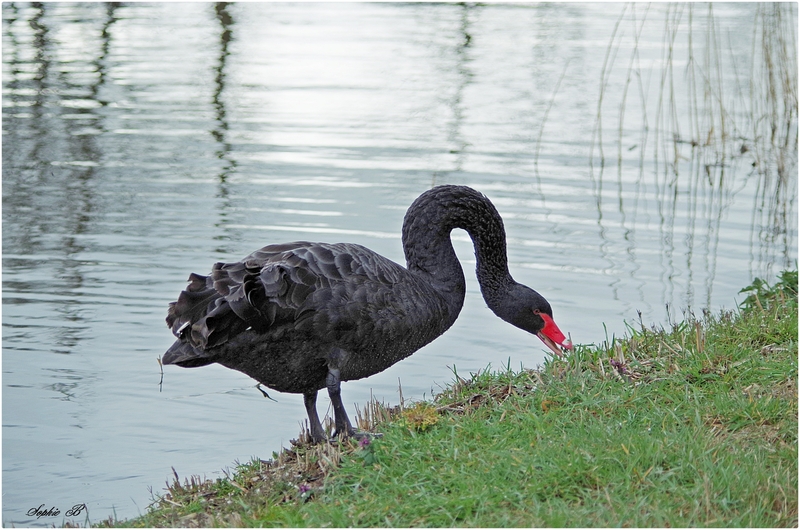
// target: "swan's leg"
[[310, 400], [343, 425]]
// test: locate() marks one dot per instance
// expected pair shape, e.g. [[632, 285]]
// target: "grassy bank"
[[692, 425]]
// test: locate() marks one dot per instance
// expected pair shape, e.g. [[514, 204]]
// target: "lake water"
[[142, 142]]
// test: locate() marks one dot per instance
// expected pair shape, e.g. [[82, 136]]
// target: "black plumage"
[[299, 317]]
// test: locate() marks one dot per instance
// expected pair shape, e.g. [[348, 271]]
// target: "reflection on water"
[[702, 153], [142, 142]]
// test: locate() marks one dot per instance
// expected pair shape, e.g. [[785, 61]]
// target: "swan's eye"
[[536, 311]]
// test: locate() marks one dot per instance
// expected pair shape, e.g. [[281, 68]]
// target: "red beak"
[[552, 336]]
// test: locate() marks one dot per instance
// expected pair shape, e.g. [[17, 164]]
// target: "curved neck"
[[429, 251]]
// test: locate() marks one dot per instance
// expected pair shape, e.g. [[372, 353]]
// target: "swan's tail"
[[183, 354], [202, 317], [234, 298]]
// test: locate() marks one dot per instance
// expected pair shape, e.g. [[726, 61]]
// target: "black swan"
[[299, 317]]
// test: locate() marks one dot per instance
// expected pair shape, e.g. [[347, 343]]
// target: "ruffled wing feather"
[[279, 285]]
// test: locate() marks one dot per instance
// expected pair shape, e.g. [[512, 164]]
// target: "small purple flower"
[[304, 488], [618, 365], [364, 442]]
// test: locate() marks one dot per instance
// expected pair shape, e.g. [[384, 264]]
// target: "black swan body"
[[300, 317]]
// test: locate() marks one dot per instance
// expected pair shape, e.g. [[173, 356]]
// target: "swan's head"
[[528, 310]]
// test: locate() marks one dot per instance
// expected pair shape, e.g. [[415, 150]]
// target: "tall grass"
[[707, 96], [708, 111]]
